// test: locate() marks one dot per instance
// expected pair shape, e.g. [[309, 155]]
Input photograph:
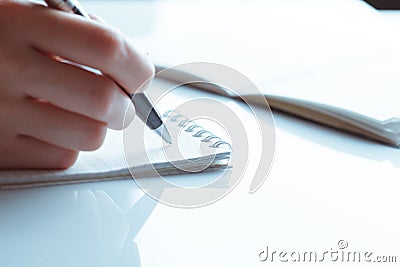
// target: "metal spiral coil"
[[190, 127]]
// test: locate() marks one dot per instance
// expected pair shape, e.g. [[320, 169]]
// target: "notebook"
[[310, 59], [140, 153], [369, 119]]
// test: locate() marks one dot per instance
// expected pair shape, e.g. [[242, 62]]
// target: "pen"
[[144, 108]]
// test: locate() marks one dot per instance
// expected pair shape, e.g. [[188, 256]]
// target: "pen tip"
[[163, 132]]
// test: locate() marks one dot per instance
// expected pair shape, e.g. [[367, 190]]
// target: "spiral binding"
[[197, 130]]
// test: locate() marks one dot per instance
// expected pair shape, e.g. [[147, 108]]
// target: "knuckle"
[[14, 65], [110, 45], [14, 12], [14, 62], [93, 136]]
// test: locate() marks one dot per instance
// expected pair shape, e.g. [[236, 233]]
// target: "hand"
[[51, 109]]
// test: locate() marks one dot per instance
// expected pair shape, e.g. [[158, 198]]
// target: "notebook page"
[[148, 154], [192, 149], [369, 86], [187, 153]]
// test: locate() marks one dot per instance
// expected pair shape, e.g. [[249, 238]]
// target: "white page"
[[341, 53], [140, 149], [370, 86]]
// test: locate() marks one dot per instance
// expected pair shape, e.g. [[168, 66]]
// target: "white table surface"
[[324, 186]]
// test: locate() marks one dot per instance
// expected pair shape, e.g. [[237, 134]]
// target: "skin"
[[51, 109]]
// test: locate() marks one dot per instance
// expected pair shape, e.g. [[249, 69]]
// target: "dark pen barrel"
[[145, 110]]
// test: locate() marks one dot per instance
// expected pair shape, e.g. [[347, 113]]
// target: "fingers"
[[77, 90], [28, 153], [92, 44], [57, 127], [50, 109]]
